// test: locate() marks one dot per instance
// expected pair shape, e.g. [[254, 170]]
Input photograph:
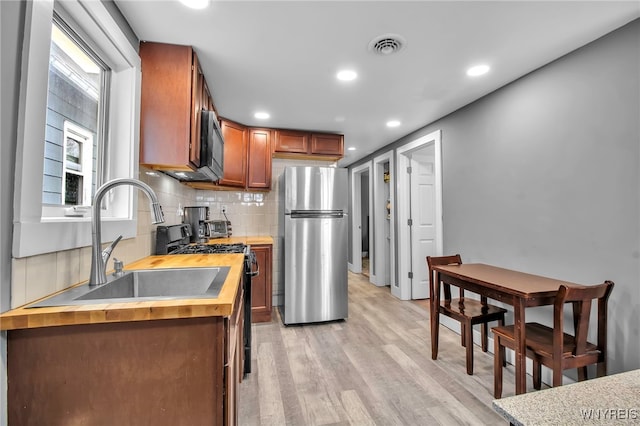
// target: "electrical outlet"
[[223, 208]]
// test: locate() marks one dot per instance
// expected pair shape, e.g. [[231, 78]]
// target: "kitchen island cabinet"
[[172, 362]]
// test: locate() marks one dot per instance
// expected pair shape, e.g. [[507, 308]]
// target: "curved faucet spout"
[[98, 263]]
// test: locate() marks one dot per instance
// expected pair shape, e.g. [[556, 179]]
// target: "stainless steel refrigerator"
[[315, 244]]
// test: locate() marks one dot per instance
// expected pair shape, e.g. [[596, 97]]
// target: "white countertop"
[[611, 400]]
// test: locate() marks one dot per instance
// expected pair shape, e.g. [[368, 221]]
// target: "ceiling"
[[282, 56]]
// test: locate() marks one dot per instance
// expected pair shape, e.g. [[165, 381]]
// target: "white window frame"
[[84, 138], [34, 234]]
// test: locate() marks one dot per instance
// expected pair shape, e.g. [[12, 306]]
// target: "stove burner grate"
[[211, 249]]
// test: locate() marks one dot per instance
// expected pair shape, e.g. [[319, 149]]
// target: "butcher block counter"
[[255, 240], [25, 317], [168, 362]]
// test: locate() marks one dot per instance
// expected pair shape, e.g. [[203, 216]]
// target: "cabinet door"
[[327, 144], [259, 170], [233, 368], [235, 154], [261, 285], [291, 141], [165, 105], [197, 103]]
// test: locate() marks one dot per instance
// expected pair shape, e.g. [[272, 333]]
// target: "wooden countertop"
[[244, 240], [24, 317]]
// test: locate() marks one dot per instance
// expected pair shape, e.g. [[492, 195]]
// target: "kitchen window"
[[76, 97], [78, 125]]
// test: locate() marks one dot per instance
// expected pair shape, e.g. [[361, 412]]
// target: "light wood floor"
[[375, 368]]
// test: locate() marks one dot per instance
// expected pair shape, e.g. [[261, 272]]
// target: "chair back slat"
[[602, 318], [440, 261], [582, 313], [581, 298]]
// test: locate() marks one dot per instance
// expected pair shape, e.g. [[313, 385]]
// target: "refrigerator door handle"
[[318, 214]]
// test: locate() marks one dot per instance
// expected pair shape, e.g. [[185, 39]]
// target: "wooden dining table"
[[518, 289]]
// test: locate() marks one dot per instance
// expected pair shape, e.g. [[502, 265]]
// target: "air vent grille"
[[387, 44]]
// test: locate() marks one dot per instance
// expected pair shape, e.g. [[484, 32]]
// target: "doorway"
[[383, 264], [419, 194], [365, 214], [360, 216]]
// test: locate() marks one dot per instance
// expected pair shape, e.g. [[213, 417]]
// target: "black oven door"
[[251, 269]]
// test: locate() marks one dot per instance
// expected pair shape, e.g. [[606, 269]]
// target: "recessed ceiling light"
[[195, 4], [351, 148], [261, 115], [346, 75], [393, 123], [478, 70]]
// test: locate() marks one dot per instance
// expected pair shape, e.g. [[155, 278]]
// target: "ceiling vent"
[[387, 44]]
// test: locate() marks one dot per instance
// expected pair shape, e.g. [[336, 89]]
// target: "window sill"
[[65, 234]]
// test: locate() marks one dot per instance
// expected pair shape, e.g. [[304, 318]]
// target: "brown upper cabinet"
[[173, 93], [235, 154], [298, 144], [291, 142], [247, 156], [259, 171]]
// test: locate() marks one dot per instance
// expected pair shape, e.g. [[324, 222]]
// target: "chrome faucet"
[[99, 258]]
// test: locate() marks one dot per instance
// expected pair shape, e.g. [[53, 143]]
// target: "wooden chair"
[[467, 311], [555, 348]]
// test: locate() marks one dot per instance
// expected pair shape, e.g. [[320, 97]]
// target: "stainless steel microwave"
[[211, 164], [211, 146]]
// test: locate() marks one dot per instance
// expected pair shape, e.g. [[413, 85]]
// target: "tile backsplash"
[[251, 214]]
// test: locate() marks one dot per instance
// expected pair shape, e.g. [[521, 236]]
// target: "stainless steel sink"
[[146, 284]]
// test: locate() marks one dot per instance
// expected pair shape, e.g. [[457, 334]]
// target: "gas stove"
[[212, 249], [249, 256], [174, 239]]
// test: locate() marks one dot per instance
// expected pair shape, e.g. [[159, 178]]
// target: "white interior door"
[[423, 214], [424, 238]]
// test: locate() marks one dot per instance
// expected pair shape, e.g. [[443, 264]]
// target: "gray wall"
[[542, 176], [11, 18]]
